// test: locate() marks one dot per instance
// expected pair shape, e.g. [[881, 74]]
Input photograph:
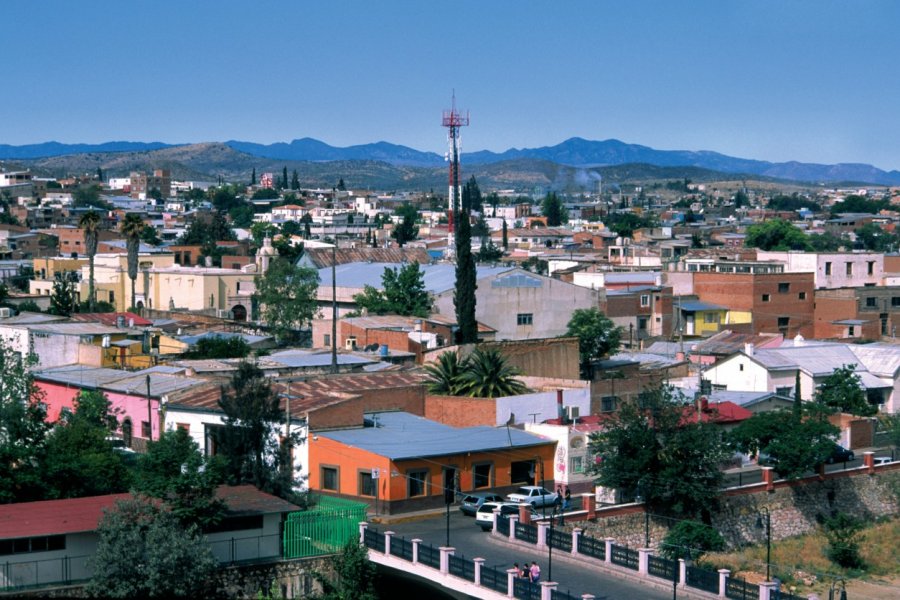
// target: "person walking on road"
[[535, 572], [568, 502]]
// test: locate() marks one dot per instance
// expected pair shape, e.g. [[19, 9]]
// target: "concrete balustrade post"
[[768, 478], [644, 561], [723, 581], [511, 575], [608, 553], [363, 526], [387, 542], [682, 573], [576, 537], [765, 590], [479, 563], [415, 550], [587, 597], [542, 534], [869, 462], [589, 503], [547, 588], [496, 518], [513, 519], [446, 553]]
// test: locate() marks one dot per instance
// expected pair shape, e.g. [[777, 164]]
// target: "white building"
[[832, 270]]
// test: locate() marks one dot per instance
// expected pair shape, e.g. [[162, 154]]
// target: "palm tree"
[[445, 376], [489, 376], [90, 223], [132, 227]]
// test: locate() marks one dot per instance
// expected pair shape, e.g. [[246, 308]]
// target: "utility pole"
[[334, 316]]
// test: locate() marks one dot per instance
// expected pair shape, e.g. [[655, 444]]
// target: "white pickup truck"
[[534, 495]]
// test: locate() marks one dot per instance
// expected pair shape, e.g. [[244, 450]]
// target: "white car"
[[484, 516], [534, 495]]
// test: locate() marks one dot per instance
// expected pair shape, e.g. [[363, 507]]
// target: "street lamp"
[[759, 524]]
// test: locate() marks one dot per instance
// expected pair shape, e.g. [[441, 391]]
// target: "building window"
[[44, 543], [784, 324], [851, 331], [330, 479], [645, 299], [576, 464], [741, 367], [849, 268], [710, 317], [183, 426], [112, 297], [784, 288], [786, 392], [871, 302], [145, 430], [525, 319], [870, 267], [367, 484], [417, 483], [327, 341], [765, 297], [802, 295], [608, 403], [481, 475], [828, 268], [895, 301]]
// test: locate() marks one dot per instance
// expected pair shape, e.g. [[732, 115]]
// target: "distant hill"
[[213, 159]]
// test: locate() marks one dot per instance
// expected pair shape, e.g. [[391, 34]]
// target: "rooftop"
[[400, 435]]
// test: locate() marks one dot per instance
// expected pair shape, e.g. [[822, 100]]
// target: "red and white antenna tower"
[[453, 120]]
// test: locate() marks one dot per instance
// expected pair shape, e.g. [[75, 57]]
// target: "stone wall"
[[796, 508]]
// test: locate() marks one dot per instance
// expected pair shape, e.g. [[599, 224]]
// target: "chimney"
[[748, 349]]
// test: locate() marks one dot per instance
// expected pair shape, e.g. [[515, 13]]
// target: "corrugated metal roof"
[[436, 278], [131, 382], [300, 358], [73, 329], [695, 305], [400, 435], [881, 359], [321, 257]]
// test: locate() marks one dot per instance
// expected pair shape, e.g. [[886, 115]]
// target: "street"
[[470, 541]]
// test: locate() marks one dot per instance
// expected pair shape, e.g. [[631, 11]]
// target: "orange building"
[[399, 462]]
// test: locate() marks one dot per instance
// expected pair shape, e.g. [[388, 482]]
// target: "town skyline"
[[768, 81]]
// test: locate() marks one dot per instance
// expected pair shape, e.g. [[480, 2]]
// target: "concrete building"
[[142, 183], [832, 269]]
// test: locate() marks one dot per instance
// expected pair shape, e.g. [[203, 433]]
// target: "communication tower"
[[453, 120]]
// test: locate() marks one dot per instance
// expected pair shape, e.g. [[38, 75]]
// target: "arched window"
[[126, 431]]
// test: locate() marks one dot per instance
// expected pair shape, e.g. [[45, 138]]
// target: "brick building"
[[779, 302], [857, 313], [142, 183]]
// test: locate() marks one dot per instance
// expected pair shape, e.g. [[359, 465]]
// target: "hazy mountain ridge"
[[574, 152]]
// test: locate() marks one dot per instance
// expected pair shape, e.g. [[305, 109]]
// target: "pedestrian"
[[518, 570], [568, 503], [535, 572], [525, 573]]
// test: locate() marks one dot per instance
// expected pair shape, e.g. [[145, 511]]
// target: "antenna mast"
[[453, 120]]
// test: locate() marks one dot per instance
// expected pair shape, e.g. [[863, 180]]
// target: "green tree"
[[505, 236], [248, 442], [219, 346], [87, 196], [253, 176], [287, 294], [466, 276], [354, 575], [143, 551], [488, 375], [691, 540], [445, 377], [23, 429], [265, 194], [225, 197], [174, 470], [553, 210], [859, 204], [90, 224], [598, 337], [341, 186], [149, 236], [845, 535], [794, 447], [132, 228], [295, 181], [241, 215], [284, 178], [842, 392], [489, 253], [406, 230], [825, 242], [403, 293], [62, 297], [741, 199], [875, 239], [776, 234], [648, 449], [80, 459], [624, 224], [471, 200]]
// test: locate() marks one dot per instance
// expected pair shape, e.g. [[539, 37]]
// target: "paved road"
[[572, 576]]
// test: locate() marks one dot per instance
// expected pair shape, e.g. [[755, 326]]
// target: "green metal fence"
[[323, 529]]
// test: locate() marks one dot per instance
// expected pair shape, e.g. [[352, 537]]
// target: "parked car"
[[484, 517], [534, 495], [472, 502], [839, 454], [883, 460]]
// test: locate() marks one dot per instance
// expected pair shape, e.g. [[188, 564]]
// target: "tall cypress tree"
[[253, 177], [505, 236], [284, 179], [464, 295], [798, 402]]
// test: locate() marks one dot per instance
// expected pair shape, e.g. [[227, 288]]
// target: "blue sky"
[[813, 81]]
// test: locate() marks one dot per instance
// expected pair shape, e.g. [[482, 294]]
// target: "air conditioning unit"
[[350, 343], [572, 413], [224, 314], [5, 313]]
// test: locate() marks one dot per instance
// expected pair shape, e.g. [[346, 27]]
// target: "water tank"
[[384, 350], [120, 321]]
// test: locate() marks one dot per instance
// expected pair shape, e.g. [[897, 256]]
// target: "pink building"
[[135, 395]]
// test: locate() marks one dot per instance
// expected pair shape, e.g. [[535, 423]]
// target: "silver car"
[[472, 502]]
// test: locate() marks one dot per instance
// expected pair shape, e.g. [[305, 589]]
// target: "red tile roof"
[[76, 515]]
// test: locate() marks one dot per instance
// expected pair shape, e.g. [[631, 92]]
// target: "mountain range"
[[575, 153]]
